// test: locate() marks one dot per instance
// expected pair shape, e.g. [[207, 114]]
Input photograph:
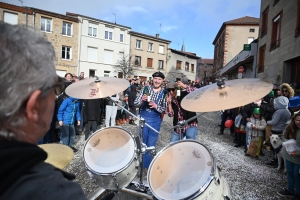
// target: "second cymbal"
[[236, 93]]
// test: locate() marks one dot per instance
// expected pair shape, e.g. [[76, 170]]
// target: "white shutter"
[[108, 56], [92, 54], [10, 18], [161, 49]]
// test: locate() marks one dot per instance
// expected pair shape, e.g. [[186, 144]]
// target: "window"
[[178, 64], [276, 27], [46, 24], [122, 36], [297, 30], [108, 56], [251, 30], [161, 49], [138, 44], [92, 73], [92, 54], [137, 60], [92, 30], [250, 39], [264, 26], [106, 73], [192, 67], [67, 28], [160, 64], [66, 53], [261, 61], [149, 62], [121, 55], [108, 34], [150, 46], [187, 66], [275, 2], [10, 18]]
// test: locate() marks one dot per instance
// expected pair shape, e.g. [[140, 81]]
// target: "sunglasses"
[[171, 89], [285, 91], [59, 87]]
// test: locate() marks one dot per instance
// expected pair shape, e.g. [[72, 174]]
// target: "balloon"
[[228, 123]]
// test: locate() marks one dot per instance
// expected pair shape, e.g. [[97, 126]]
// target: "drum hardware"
[[217, 96], [115, 180], [225, 197], [217, 181]]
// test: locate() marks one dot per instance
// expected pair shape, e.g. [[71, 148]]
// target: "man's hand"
[[248, 120], [60, 123], [180, 84], [144, 97], [78, 123], [152, 104]]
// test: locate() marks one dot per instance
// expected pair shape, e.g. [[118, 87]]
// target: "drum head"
[[109, 150], [180, 170]]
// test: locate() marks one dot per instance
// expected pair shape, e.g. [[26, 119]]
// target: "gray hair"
[[26, 65]]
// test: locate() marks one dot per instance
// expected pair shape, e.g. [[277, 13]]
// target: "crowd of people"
[[32, 108]]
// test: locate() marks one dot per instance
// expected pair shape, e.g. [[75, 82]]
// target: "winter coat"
[[289, 88], [281, 115], [268, 109], [121, 99], [132, 95], [260, 124], [294, 159], [27, 176], [91, 110], [68, 111], [247, 110]]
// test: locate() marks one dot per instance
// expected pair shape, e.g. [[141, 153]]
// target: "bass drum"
[[186, 170], [110, 154]]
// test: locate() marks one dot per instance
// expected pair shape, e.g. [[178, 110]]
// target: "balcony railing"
[[263, 32], [275, 44], [297, 31]]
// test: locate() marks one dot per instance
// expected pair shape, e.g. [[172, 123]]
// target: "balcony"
[[275, 45]]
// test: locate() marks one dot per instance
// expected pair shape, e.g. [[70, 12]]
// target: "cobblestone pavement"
[[248, 178]]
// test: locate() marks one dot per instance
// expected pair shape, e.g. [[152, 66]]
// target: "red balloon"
[[228, 123]]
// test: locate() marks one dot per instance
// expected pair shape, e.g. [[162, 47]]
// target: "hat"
[[172, 85], [271, 94], [294, 102], [256, 111], [158, 74]]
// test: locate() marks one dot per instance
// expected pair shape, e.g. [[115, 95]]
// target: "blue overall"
[[153, 118]]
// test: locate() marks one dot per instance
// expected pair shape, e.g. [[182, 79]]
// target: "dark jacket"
[[91, 110], [247, 110], [27, 176], [132, 95]]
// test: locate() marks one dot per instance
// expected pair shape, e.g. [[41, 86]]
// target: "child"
[[256, 126]]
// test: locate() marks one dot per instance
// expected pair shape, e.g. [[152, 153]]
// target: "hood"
[[288, 87], [281, 103], [73, 99]]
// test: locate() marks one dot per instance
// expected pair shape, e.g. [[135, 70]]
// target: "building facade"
[[102, 44], [205, 68], [230, 39], [148, 54], [279, 41], [60, 30], [181, 65]]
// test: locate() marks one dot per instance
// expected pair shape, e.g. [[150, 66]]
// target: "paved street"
[[248, 178]]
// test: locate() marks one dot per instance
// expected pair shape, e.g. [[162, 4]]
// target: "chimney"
[[157, 35]]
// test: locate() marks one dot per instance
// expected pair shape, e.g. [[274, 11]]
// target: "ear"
[[270, 134], [32, 105]]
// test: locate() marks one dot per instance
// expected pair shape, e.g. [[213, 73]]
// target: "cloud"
[[126, 11], [166, 29]]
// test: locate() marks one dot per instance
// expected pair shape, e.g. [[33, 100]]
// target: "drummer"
[[152, 111], [26, 109], [190, 131]]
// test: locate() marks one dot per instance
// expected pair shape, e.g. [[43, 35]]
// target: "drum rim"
[[115, 172], [209, 179]]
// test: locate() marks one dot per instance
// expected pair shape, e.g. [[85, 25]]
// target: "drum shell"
[[122, 176]]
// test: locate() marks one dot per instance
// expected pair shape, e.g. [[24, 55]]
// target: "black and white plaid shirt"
[[162, 102]]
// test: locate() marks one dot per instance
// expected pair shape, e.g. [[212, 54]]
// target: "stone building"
[[231, 38], [60, 30], [148, 54], [279, 41], [205, 68]]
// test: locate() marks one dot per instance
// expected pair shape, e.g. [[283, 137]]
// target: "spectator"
[[91, 115], [111, 110]]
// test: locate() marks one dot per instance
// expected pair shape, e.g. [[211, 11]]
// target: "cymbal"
[[58, 155], [96, 88], [236, 93]]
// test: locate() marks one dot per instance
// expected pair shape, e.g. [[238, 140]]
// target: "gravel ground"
[[248, 178]]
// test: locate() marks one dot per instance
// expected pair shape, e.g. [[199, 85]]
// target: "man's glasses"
[[60, 86]]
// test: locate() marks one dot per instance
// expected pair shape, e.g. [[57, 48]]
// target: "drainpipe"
[[26, 17], [79, 56]]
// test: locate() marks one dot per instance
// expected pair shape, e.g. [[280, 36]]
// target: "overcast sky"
[[196, 22]]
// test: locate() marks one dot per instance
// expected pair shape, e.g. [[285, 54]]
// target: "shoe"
[[74, 149], [232, 134], [272, 164], [127, 120], [285, 193], [261, 153], [220, 133], [117, 122], [132, 122], [247, 154], [237, 145], [245, 150]]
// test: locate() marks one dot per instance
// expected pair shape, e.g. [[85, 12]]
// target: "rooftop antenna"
[[21, 2], [115, 18], [160, 28]]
